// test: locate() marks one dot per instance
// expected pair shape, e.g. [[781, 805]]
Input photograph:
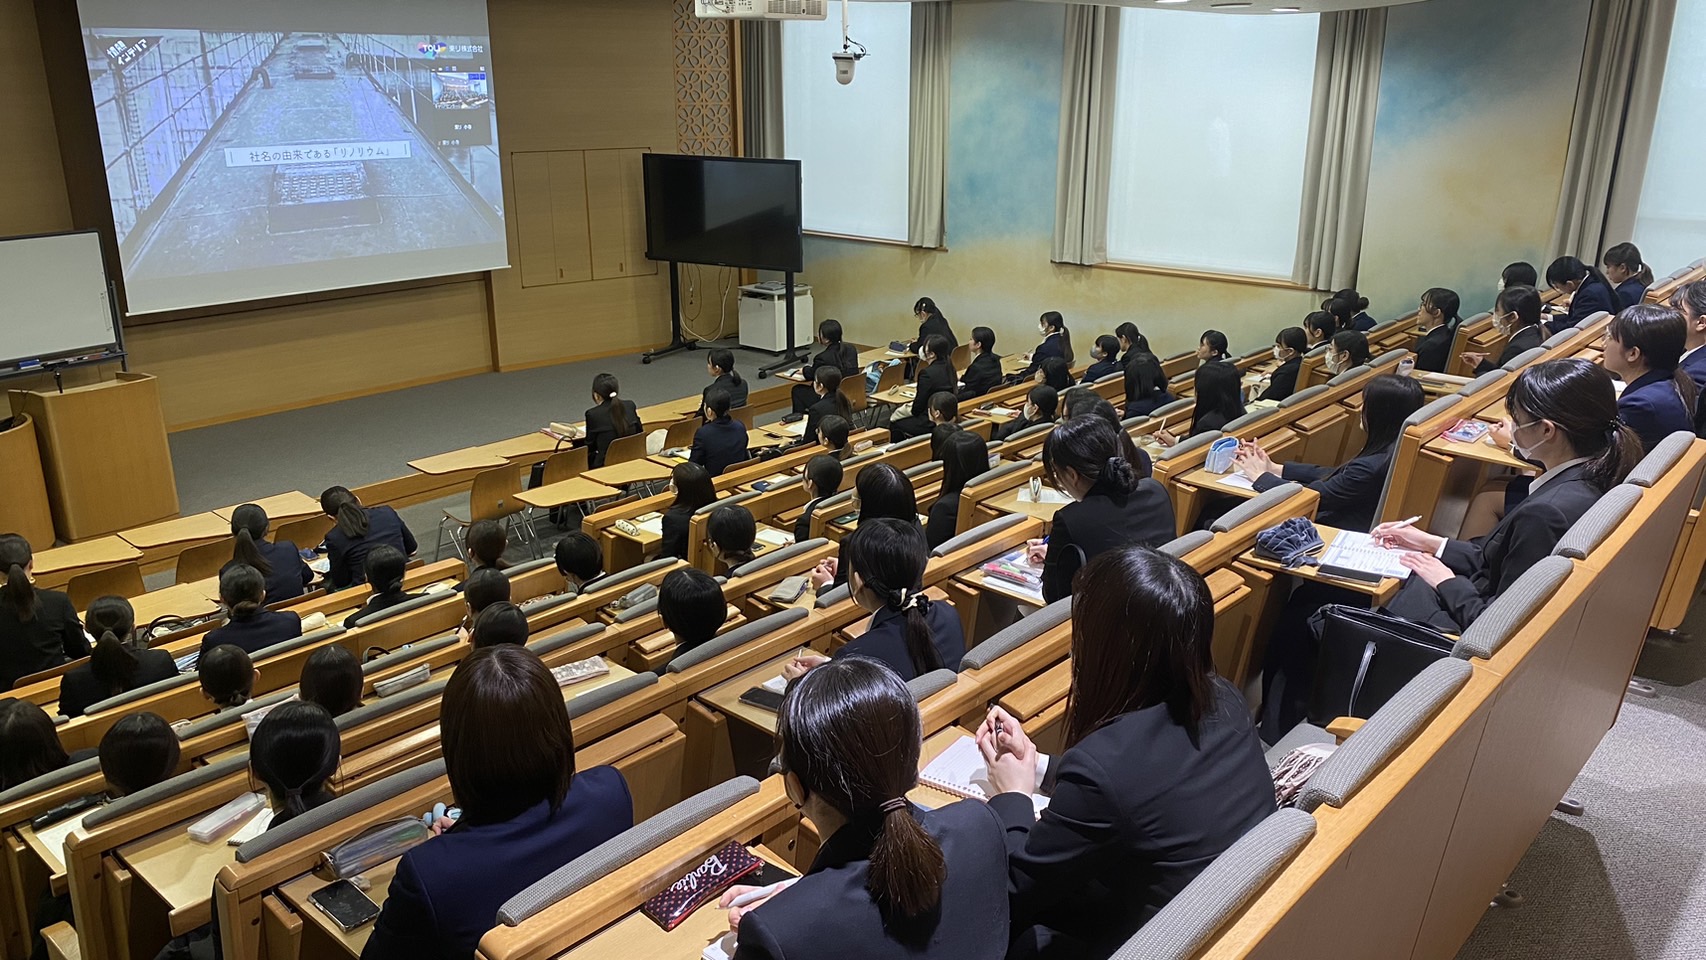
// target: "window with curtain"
[[1670, 223], [1210, 135], [851, 141]]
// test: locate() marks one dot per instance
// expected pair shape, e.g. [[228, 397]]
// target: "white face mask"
[[1277, 354], [1515, 448], [1334, 364]]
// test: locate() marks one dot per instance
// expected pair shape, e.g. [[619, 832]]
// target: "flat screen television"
[[724, 211]]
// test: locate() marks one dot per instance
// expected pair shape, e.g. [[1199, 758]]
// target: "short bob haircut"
[[505, 730], [502, 622], [332, 678]]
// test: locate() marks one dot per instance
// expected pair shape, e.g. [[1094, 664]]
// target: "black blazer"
[[1050, 347], [78, 689], [1211, 420], [1101, 522], [289, 577], [1651, 405], [1362, 321], [348, 556], [448, 889], [1433, 350], [829, 915], [1593, 297], [675, 523], [933, 379], [982, 375], [934, 326], [885, 640], [1283, 382], [255, 634], [1487, 566], [842, 355], [1018, 423], [601, 429], [52, 636], [1100, 369], [1138, 810], [822, 407], [803, 526], [1145, 383], [944, 518], [737, 391], [1523, 340], [1349, 493], [719, 444], [1629, 293]]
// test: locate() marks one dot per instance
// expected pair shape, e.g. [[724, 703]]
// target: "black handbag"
[[1363, 658]]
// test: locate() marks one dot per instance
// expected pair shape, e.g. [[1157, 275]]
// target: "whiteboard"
[[55, 298]]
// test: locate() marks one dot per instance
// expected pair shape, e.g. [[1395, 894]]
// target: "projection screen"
[[264, 149]]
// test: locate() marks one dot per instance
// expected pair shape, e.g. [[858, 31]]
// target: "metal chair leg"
[[1642, 688]]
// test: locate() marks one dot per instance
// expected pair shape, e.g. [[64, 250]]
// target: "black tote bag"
[[1364, 658]]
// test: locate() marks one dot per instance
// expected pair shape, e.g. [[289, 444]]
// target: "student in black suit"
[[1587, 288], [295, 752], [693, 489], [843, 357], [1561, 414], [1054, 372], [1289, 346], [935, 375], [580, 559], [510, 755], [1087, 403], [821, 478], [1057, 342], [983, 373], [1212, 346], [1690, 301], [1350, 309], [881, 490], [1111, 507], [502, 622], [830, 402], [118, 662], [965, 457], [250, 626], [487, 586], [1042, 405], [720, 367], [359, 529], [385, 569], [1161, 771], [892, 881], [39, 629], [692, 607], [1628, 275], [137, 752], [1438, 310], [1350, 492], [1105, 358], [944, 414], [1643, 347], [1145, 380], [833, 433], [332, 678], [1319, 327], [227, 675], [1349, 350], [1219, 400], [721, 441], [731, 532], [931, 323], [487, 540], [611, 419], [1517, 316], [281, 563], [29, 745]]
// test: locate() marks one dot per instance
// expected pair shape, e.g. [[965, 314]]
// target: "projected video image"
[[243, 165]]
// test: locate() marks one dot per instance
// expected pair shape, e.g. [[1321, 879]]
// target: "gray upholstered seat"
[[927, 684], [142, 692], [835, 504], [174, 786], [226, 717], [1110, 378], [705, 510], [1317, 350], [1658, 462], [53, 778], [1482, 382], [1590, 321], [338, 808], [1431, 410], [413, 603], [1390, 357], [1005, 470], [1366, 752], [1525, 358], [734, 638], [528, 566], [1303, 396], [541, 604], [408, 651], [1558, 339], [1181, 378], [638, 610], [1512, 609], [1255, 506], [1594, 526], [391, 704], [775, 557], [979, 532], [1246, 421], [621, 849], [1191, 918], [1172, 407], [630, 577], [610, 693], [1015, 636], [920, 469], [1035, 430], [1349, 375], [909, 443], [833, 596], [1188, 444], [1179, 546], [297, 643], [559, 639]]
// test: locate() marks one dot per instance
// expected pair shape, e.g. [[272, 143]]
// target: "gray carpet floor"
[[1622, 881]]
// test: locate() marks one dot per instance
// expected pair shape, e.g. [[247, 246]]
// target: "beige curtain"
[[1086, 134], [1341, 141], [1617, 98], [927, 194], [761, 88]]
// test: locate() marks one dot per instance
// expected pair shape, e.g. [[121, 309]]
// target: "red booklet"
[[701, 885]]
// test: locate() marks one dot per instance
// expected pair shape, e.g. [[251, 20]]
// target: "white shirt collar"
[[1538, 481], [1691, 351]]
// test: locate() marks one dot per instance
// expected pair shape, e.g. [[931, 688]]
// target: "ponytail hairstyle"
[[1322, 323], [1523, 303], [342, 505], [724, 360], [1344, 306], [1217, 343], [18, 594], [1628, 256], [927, 306], [1447, 302], [384, 567], [243, 590], [965, 457], [1661, 334], [888, 557], [29, 746], [249, 525], [850, 732], [227, 676], [604, 389], [1057, 324], [1091, 448], [941, 351], [1570, 270], [113, 661], [294, 752], [1128, 332], [1576, 395], [830, 331], [1047, 401], [835, 430], [829, 378], [1354, 344], [1293, 339]]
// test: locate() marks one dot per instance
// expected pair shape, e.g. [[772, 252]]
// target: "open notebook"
[[960, 770]]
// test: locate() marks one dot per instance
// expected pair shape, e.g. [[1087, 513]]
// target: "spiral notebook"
[[960, 770]]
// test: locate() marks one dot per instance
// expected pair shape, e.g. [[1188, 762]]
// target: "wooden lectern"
[[104, 454], [23, 507]]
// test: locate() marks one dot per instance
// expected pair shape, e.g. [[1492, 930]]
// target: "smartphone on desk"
[[762, 699], [344, 902]]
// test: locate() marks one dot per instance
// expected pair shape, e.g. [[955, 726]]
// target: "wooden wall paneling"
[[632, 164], [606, 214], [535, 252], [32, 193], [569, 215]]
